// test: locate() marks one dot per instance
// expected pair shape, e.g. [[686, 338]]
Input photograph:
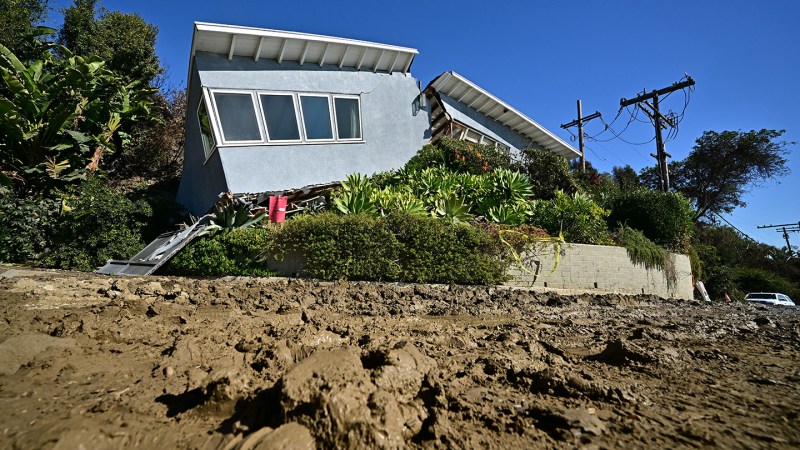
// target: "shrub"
[[237, 252], [396, 247], [548, 173], [460, 156], [664, 217], [96, 225], [26, 225], [576, 216], [433, 251]]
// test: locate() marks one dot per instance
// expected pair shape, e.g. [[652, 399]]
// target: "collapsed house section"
[[273, 110], [463, 110]]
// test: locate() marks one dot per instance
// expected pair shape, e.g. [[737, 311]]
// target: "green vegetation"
[[236, 252], [395, 247], [664, 217]]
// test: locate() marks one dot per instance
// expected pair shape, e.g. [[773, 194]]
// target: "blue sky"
[[542, 56]]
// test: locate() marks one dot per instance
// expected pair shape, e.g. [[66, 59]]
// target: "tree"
[[723, 167], [58, 117], [18, 26], [156, 148], [125, 41], [625, 178]]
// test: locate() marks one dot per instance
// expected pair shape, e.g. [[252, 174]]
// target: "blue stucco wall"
[[392, 132], [201, 182], [485, 124]]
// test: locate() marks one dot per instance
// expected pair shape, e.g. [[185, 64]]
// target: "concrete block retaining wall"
[[581, 268], [599, 269]]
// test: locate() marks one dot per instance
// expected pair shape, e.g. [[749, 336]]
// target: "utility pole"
[[661, 121], [786, 228], [579, 122]]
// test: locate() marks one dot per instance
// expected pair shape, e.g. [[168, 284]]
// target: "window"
[[316, 117], [237, 117], [234, 118], [206, 134], [460, 131], [348, 119], [280, 116]]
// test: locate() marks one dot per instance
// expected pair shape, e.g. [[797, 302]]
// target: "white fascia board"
[[263, 32]]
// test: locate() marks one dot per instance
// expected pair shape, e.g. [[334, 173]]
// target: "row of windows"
[[278, 118], [465, 133]]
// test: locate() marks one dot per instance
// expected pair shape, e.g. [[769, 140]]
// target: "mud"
[[157, 362]]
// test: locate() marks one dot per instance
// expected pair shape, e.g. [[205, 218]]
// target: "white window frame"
[[259, 119], [331, 117], [336, 124], [205, 102], [297, 118], [255, 95]]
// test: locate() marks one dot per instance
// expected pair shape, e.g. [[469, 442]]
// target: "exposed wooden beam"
[[478, 97], [257, 54], [394, 61], [233, 47], [282, 50], [488, 102], [493, 110], [344, 55], [467, 89], [408, 63], [361, 59], [305, 52], [437, 118], [324, 54], [378, 61]]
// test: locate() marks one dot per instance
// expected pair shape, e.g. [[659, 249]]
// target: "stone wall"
[[599, 269], [581, 269]]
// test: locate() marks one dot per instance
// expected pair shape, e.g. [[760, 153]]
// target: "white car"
[[769, 298]]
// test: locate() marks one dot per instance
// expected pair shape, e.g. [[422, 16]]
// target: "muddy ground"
[[96, 362]]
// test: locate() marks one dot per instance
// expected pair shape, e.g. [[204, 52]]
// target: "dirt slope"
[[256, 363]]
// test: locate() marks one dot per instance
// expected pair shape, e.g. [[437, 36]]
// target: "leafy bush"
[[25, 227], [576, 216], [96, 225], [396, 247], [460, 156], [664, 217], [547, 171], [237, 252], [341, 247]]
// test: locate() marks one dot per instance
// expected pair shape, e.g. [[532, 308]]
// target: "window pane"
[[348, 122], [280, 116], [237, 117], [206, 135], [472, 136], [316, 117]]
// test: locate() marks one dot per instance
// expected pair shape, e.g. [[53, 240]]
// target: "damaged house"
[[275, 110]]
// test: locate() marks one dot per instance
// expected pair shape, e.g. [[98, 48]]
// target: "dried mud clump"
[[242, 363]]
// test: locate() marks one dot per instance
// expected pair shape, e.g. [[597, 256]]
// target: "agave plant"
[[511, 186], [233, 215], [355, 203], [452, 208], [516, 214]]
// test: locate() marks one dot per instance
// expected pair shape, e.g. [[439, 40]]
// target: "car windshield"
[[761, 296]]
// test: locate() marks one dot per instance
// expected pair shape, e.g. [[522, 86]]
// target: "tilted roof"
[[302, 48], [468, 93]]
